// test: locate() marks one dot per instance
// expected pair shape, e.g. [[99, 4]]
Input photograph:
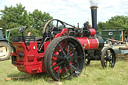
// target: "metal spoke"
[[105, 63], [72, 55], [57, 24], [105, 54], [54, 61], [65, 44], [68, 50], [73, 66], [110, 58], [73, 52], [69, 70], [62, 49], [66, 71], [75, 55], [110, 63], [56, 55], [62, 71], [58, 64], [72, 45], [59, 71], [71, 48], [105, 57], [57, 49]]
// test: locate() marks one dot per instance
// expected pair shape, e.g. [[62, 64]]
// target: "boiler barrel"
[[91, 43]]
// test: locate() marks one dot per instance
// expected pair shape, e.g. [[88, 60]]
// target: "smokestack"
[[94, 17]]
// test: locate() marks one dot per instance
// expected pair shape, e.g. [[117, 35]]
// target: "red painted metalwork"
[[32, 61], [93, 32], [61, 33], [88, 43]]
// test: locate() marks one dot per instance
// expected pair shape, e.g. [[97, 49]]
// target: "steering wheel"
[[53, 26], [21, 30]]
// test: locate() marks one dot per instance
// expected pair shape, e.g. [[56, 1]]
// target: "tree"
[[13, 16], [39, 19], [116, 22], [17, 16]]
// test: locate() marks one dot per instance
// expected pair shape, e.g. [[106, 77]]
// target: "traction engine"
[[62, 51]]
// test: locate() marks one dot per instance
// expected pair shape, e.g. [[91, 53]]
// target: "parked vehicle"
[[5, 45], [5, 49]]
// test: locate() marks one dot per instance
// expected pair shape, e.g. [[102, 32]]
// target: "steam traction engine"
[[62, 51]]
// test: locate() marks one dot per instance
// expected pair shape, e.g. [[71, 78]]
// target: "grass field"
[[93, 74]]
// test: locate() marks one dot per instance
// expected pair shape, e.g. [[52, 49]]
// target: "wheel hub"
[[2, 51], [108, 58], [66, 59]]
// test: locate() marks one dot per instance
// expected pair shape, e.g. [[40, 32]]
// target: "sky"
[[73, 11]]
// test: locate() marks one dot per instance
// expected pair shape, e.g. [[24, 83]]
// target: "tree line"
[[116, 22], [16, 16]]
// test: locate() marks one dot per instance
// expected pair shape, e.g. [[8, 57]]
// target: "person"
[[86, 26], [29, 33], [126, 39], [28, 38]]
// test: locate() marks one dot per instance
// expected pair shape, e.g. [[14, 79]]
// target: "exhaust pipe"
[[94, 17]]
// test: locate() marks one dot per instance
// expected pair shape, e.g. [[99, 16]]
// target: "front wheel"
[[108, 58], [5, 51], [64, 58]]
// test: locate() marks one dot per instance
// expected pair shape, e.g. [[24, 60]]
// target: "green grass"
[[93, 74]]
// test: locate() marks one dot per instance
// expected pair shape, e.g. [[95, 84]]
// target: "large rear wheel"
[[5, 51], [64, 58]]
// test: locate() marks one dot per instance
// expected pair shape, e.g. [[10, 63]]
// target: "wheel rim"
[[67, 60], [108, 58], [3, 51]]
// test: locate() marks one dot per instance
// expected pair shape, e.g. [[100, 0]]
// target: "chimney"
[[94, 17]]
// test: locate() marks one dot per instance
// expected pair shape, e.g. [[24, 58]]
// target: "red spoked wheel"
[[64, 58]]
